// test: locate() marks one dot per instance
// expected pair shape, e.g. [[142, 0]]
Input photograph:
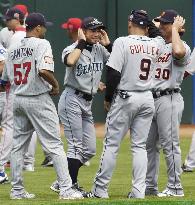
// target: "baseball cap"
[[13, 13], [36, 19], [167, 16], [139, 17], [22, 8], [92, 23], [72, 24]]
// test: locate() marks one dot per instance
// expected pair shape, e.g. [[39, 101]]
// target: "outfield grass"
[[38, 182]]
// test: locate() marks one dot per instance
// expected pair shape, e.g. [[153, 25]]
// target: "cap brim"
[[96, 26], [162, 20], [48, 24], [64, 26]]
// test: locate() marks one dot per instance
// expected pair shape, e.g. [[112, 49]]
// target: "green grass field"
[[38, 182]]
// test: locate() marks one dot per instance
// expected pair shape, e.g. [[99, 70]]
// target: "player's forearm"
[[74, 56], [49, 77], [1, 66], [179, 50]]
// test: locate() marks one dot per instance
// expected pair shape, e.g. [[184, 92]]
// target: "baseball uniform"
[[164, 131], [33, 108], [132, 108]]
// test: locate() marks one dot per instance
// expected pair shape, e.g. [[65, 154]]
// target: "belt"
[[85, 96], [160, 93]]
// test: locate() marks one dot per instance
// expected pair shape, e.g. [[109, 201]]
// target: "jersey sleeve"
[[186, 59], [45, 57], [106, 54], [190, 68], [68, 50], [116, 59]]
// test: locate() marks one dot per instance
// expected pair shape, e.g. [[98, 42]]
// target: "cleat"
[[24, 195], [168, 193], [3, 178], [186, 169], [76, 187], [55, 187], [47, 162], [93, 195], [151, 192], [70, 194]]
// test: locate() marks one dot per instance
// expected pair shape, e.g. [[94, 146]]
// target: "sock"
[[73, 166]]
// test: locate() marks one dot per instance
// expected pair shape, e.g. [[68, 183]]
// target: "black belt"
[[85, 96], [160, 93]]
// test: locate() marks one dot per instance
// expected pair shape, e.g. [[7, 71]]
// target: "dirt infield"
[[186, 130]]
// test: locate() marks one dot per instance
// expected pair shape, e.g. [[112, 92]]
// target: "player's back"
[[140, 55], [24, 61]]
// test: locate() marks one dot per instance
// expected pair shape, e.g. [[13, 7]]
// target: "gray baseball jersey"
[[86, 74], [134, 57], [164, 130], [33, 108]]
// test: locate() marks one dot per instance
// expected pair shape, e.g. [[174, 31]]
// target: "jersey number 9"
[[145, 68]]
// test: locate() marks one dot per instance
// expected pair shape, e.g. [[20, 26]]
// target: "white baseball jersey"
[[17, 36], [86, 74], [134, 57], [25, 60], [5, 36], [169, 71]]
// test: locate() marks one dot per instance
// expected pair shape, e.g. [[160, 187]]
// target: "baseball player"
[[189, 163], [129, 75], [14, 20], [84, 61], [29, 69], [169, 105], [3, 175], [71, 26]]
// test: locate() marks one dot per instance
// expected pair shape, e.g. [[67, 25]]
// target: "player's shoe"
[[3, 178], [132, 196], [186, 169], [28, 167], [24, 195], [93, 195], [70, 194], [76, 187], [168, 193], [55, 187], [151, 192], [47, 162]]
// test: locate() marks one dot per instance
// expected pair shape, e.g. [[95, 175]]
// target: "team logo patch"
[[48, 60]]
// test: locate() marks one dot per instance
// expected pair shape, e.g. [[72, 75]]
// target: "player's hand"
[[54, 91], [104, 40], [107, 105], [156, 23], [81, 34], [101, 87], [179, 23]]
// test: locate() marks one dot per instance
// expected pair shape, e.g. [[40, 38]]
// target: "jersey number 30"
[[21, 72]]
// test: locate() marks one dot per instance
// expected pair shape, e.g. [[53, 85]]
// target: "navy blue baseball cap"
[[14, 13], [36, 19], [139, 17], [92, 23], [167, 16]]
